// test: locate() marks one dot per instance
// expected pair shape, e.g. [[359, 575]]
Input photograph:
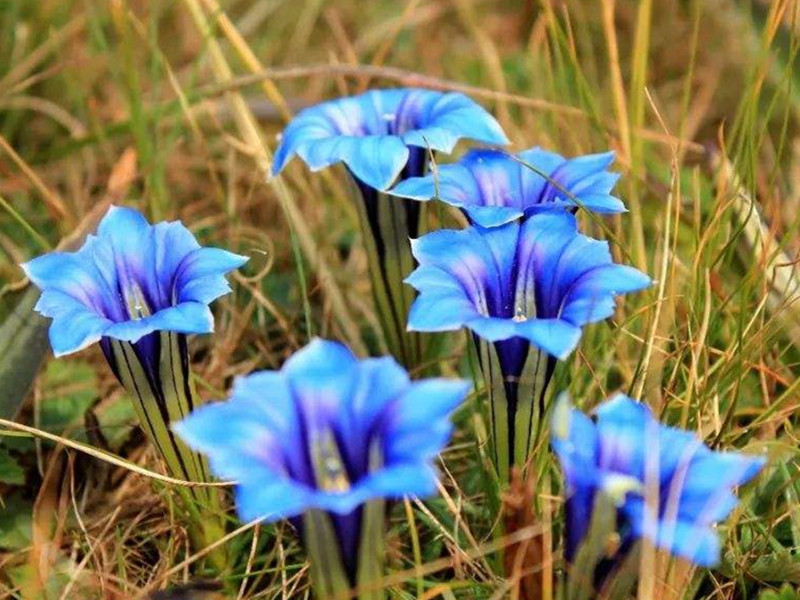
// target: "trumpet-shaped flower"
[[625, 451], [493, 188], [138, 289], [327, 432], [383, 136], [524, 289], [539, 280], [128, 281], [380, 133]]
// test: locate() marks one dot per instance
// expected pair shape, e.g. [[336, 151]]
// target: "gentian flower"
[[493, 189], [524, 289], [381, 133], [130, 280], [328, 435], [382, 137], [138, 289], [615, 454]]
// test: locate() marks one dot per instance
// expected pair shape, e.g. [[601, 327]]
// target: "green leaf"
[[779, 567], [117, 418], [16, 530], [23, 344], [10, 470], [785, 593], [69, 390]]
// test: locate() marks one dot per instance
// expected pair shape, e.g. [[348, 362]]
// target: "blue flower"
[[493, 188], [328, 432], [138, 289], [538, 280], [128, 281], [380, 133], [613, 455]]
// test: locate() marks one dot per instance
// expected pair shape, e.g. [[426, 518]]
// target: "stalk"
[[516, 375], [155, 373], [337, 569], [387, 225]]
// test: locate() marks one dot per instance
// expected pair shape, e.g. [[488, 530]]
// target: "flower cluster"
[[328, 440], [521, 277], [383, 137]]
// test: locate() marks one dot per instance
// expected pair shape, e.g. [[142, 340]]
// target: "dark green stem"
[[334, 576], [515, 405], [155, 373], [387, 225]]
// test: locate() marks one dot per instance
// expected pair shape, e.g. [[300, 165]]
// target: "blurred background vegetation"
[[174, 107]]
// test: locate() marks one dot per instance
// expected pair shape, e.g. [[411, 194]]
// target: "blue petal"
[[599, 203], [420, 188], [570, 173], [380, 383], [720, 470], [423, 409], [125, 225], [677, 449], [699, 544], [340, 503], [129, 233], [440, 308], [451, 117], [74, 332], [174, 242], [243, 441], [537, 164], [271, 500], [398, 481], [703, 509], [204, 289], [371, 132], [54, 303], [67, 273], [589, 310], [493, 216], [624, 427], [590, 297], [574, 440], [207, 266], [188, 317], [265, 395], [322, 376], [578, 257], [376, 160], [451, 183], [203, 262], [468, 256], [543, 239], [555, 336]]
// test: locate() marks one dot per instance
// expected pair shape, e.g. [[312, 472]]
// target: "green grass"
[[169, 107]]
